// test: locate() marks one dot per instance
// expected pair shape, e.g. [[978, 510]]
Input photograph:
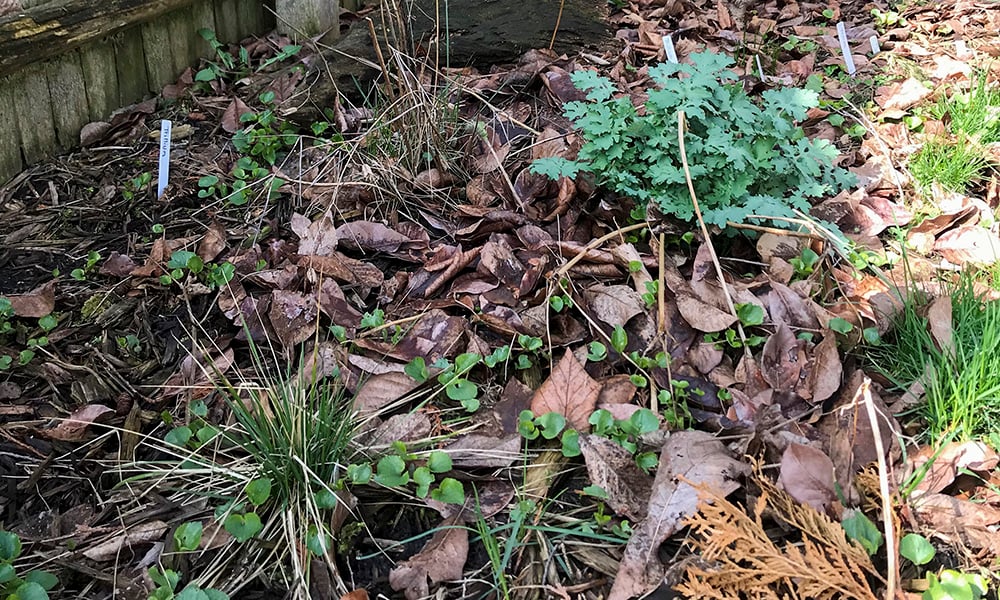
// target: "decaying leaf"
[[35, 304], [702, 316], [441, 559], [613, 468], [74, 427], [807, 476], [688, 458], [569, 391]]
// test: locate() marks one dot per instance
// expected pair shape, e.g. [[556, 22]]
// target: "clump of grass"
[[270, 476], [958, 160], [974, 114], [962, 383], [954, 166]]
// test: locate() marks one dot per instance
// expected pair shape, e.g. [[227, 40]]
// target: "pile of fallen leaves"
[[467, 257]]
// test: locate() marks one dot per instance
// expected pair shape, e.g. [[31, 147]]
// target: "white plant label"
[[873, 40], [760, 68], [845, 48], [668, 46], [164, 174]]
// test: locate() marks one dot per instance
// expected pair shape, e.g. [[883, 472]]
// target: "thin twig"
[[681, 126], [891, 556]]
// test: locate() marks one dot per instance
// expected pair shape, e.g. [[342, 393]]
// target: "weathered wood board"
[[64, 63]]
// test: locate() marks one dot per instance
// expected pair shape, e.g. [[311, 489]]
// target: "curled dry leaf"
[[441, 559], [371, 236], [569, 391], [74, 427], [688, 458]]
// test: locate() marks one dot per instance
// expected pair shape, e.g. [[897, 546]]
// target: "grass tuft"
[[953, 166], [962, 383]]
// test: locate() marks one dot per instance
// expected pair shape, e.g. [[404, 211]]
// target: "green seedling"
[[80, 274]]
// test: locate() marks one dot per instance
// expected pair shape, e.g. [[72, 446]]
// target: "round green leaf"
[[439, 462], [243, 527], [31, 591], [258, 491], [178, 436], [916, 549], [449, 491], [10, 546], [460, 389], [187, 537]]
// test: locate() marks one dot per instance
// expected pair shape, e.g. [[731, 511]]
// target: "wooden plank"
[[156, 44], [100, 77], [203, 17], [10, 136], [297, 18], [227, 25], [34, 114], [251, 16], [131, 66], [181, 30], [69, 95], [55, 27]]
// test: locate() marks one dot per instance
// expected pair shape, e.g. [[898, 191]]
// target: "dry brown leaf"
[[613, 468], [939, 320], [35, 304], [785, 305], [231, 116], [688, 458], [379, 390], [197, 378], [827, 371], [74, 427], [214, 242], [441, 559], [948, 462], [316, 238], [614, 304], [293, 315], [782, 359], [617, 389], [704, 317], [807, 476], [371, 236], [969, 244], [117, 265], [569, 391]]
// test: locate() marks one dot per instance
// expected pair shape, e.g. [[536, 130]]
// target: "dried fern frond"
[[741, 562]]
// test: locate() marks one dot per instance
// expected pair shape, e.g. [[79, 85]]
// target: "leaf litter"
[[472, 260]]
